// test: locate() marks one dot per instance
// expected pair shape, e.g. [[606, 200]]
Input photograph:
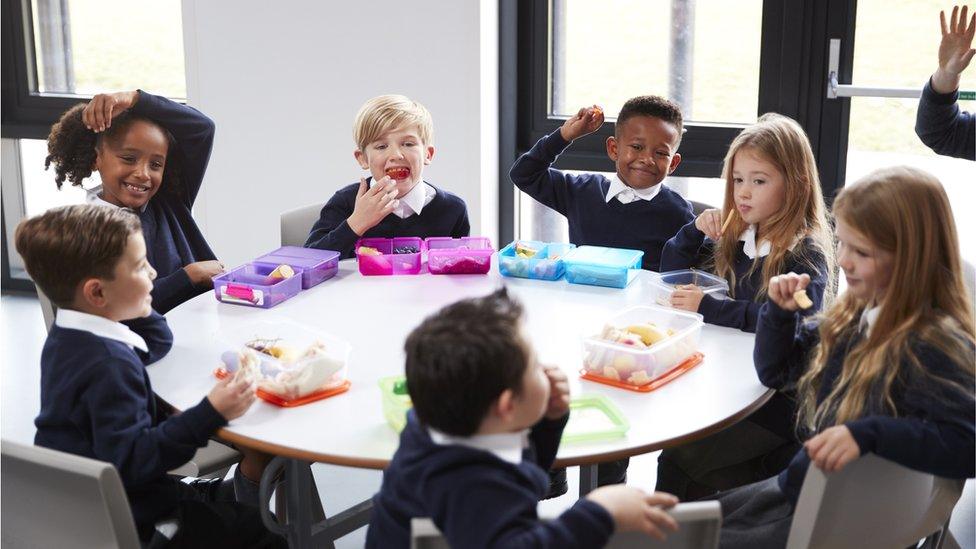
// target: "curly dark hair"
[[652, 105], [71, 148]]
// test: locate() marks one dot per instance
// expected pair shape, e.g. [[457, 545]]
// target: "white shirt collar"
[[749, 248], [94, 196], [414, 201], [505, 446], [100, 326], [868, 318], [626, 194]]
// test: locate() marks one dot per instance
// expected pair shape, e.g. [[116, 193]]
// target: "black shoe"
[[557, 483], [612, 472]]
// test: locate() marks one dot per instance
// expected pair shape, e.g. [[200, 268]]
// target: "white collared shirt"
[[749, 248], [100, 326], [505, 446], [414, 201], [626, 194], [868, 318], [94, 196]]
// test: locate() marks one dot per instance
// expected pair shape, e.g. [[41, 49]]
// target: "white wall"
[[283, 81]]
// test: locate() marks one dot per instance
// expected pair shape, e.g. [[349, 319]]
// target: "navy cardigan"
[[446, 215], [97, 402], [934, 428], [478, 500], [173, 239], [690, 248], [640, 225], [943, 126]]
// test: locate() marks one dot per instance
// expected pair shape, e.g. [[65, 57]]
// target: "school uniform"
[[480, 491], [943, 126], [173, 239], [602, 211], [931, 431], [97, 402], [423, 212]]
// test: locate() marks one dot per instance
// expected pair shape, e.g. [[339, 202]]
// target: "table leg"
[[588, 478]]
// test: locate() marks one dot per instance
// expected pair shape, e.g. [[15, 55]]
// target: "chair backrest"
[[871, 503], [48, 309], [297, 223], [55, 499], [698, 207], [699, 524]]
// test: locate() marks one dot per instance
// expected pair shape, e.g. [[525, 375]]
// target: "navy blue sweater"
[[477, 499], [640, 225], [96, 401], [173, 239], [446, 215], [943, 127], [934, 431], [690, 248]]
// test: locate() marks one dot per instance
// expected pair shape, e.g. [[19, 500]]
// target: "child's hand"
[[100, 111], [634, 510], [710, 223], [956, 49], [687, 297], [782, 287], [585, 122], [832, 449], [201, 273], [558, 393], [232, 396], [372, 204]]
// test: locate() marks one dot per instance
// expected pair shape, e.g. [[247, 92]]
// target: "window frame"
[[792, 81]]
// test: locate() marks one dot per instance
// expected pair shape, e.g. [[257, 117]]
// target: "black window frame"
[[792, 81]]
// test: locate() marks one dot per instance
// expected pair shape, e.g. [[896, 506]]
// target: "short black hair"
[[461, 359], [652, 105]]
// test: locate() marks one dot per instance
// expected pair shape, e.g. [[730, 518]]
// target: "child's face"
[[758, 186], [127, 295], [645, 150], [867, 268], [132, 168], [531, 402], [400, 154]]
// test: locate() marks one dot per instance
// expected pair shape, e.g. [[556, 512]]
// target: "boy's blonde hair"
[[387, 112], [66, 245], [904, 211], [781, 141]]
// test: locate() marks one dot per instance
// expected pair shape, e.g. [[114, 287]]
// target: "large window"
[[57, 53]]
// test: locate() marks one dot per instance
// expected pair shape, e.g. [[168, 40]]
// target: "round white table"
[[375, 314]]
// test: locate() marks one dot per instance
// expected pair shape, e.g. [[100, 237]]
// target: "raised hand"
[[584, 122], [783, 287], [100, 111], [558, 393], [372, 204], [955, 50]]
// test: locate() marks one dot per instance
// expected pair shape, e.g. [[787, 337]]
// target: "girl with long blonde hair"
[[888, 368], [777, 223], [773, 221]]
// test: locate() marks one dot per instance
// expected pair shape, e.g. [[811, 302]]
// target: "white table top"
[[375, 314]]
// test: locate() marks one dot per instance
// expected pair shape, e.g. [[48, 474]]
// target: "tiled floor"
[[22, 336]]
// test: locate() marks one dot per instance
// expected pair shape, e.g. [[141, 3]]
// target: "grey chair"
[[297, 223], [54, 499], [698, 207], [699, 524], [212, 460], [872, 503]]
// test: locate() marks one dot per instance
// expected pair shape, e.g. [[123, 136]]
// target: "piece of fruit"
[[648, 333], [398, 173], [524, 250], [282, 271], [366, 250]]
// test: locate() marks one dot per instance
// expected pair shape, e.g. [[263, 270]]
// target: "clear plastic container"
[[546, 264], [389, 262], [644, 369], [317, 265], [285, 376], [598, 266], [468, 255], [662, 285], [594, 418], [251, 285], [395, 406]]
